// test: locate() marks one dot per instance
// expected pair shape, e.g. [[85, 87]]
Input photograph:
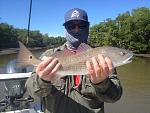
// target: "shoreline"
[[8, 51], [15, 50], [142, 55]]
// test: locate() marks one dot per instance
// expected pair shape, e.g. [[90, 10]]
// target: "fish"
[[76, 64]]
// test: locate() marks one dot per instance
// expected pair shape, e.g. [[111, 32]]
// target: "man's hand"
[[99, 69], [47, 68]]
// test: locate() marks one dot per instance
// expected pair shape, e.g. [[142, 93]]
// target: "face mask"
[[74, 39]]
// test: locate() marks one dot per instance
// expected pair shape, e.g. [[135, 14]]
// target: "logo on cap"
[[75, 13]]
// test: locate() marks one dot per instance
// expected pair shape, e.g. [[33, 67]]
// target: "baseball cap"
[[76, 14]]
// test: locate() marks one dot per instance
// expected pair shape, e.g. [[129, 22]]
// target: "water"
[[135, 79]]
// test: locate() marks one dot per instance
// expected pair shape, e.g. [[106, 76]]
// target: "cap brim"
[[75, 20]]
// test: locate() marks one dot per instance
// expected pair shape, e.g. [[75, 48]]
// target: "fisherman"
[[78, 93]]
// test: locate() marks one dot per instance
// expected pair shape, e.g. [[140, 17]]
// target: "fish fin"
[[25, 57], [84, 46], [64, 52], [63, 73], [59, 54]]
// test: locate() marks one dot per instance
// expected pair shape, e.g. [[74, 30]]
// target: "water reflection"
[[4, 59]]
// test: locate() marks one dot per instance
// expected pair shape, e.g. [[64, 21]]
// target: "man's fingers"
[[103, 63], [58, 66], [110, 65], [90, 70], [50, 66], [44, 63], [89, 67], [96, 66]]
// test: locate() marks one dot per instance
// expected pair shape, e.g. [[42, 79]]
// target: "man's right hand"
[[47, 67]]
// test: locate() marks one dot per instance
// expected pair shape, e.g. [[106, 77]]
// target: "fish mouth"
[[128, 60]]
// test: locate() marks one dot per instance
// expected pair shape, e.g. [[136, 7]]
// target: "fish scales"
[[76, 64], [81, 58]]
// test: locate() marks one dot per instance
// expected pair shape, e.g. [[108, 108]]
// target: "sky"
[[48, 15]]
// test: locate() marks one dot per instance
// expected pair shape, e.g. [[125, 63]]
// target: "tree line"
[[129, 30], [9, 37]]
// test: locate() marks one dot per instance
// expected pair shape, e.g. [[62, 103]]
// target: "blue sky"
[[48, 15]]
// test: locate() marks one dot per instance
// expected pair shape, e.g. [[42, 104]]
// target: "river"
[[135, 79]]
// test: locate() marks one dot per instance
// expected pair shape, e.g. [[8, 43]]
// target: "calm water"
[[135, 79]]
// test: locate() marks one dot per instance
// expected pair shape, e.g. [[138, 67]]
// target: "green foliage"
[[128, 30], [10, 36]]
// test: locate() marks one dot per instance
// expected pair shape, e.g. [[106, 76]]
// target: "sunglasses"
[[72, 26]]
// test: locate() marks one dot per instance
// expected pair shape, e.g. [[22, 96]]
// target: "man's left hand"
[[99, 68]]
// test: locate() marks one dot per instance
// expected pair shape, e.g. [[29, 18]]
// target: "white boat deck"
[[24, 111], [11, 76]]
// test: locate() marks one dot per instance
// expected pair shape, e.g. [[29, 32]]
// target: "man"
[[79, 93]]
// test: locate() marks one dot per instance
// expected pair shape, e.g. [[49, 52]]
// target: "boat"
[[13, 95]]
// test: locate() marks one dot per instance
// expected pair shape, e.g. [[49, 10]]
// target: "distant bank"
[[142, 55], [15, 50]]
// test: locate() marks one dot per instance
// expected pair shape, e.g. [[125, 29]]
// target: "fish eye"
[[30, 57], [122, 53]]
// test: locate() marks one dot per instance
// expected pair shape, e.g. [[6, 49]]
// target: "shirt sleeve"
[[37, 87], [109, 90]]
